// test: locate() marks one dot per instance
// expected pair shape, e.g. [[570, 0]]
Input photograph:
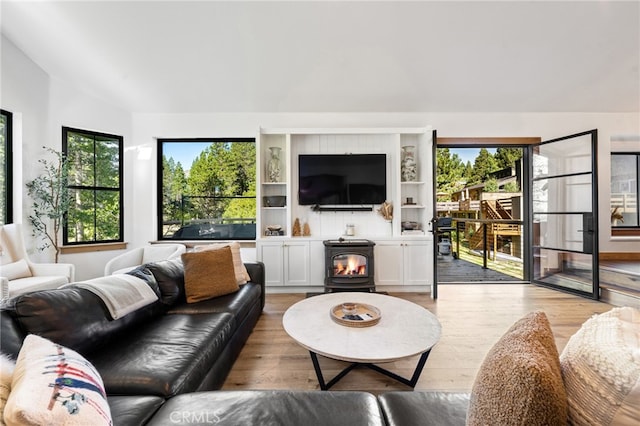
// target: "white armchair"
[[141, 255], [18, 274]]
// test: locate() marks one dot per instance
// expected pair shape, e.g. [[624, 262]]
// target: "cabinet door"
[[296, 263], [316, 263], [388, 263], [271, 254], [416, 263]]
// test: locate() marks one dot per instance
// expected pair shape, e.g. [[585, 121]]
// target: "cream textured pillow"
[[242, 276], [7, 365], [16, 270], [53, 385], [601, 369], [519, 381], [208, 274]]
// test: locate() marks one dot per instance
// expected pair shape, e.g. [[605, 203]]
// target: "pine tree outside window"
[[95, 184]]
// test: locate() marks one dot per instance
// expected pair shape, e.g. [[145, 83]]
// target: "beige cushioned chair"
[[21, 275], [141, 255]]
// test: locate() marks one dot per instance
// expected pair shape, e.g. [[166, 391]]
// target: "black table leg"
[[409, 382]]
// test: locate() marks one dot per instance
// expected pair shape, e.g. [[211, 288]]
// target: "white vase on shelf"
[[408, 165], [274, 166]]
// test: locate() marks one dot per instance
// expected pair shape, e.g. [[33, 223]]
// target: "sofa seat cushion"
[[36, 283], [133, 410], [295, 408], [601, 369], [425, 408], [167, 356], [239, 304]]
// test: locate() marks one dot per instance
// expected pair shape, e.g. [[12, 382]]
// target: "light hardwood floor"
[[473, 318]]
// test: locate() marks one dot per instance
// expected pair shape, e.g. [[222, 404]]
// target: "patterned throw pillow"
[[601, 369], [519, 382], [208, 274], [53, 385]]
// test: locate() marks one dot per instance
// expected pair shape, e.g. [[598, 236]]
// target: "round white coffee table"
[[405, 329]]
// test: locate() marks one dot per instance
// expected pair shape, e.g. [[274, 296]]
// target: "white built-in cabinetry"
[[402, 259]]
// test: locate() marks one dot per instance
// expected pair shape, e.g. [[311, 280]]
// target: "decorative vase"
[[274, 166], [408, 165]]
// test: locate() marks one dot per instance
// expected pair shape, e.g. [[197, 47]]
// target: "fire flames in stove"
[[349, 265]]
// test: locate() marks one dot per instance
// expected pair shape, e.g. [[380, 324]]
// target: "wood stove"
[[348, 265]]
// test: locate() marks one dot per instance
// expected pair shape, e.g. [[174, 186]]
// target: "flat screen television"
[[342, 179]]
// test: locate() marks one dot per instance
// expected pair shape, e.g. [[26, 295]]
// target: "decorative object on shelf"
[[273, 231], [410, 202], [351, 230], [306, 231], [274, 166], [274, 200], [296, 231], [408, 166], [386, 211]]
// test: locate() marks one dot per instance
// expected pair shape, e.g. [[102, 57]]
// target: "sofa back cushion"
[[73, 317], [169, 275]]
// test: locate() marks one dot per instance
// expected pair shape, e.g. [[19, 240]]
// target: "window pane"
[[624, 190], [208, 189], [4, 182], [107, 215], [80, 219], [80, 154], [107, 163], [572, 156]]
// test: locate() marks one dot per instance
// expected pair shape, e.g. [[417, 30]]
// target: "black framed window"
[[95, 184], [625, 171], [207, 189], [6, 174]]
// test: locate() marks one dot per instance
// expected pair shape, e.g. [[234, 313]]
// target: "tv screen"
[[342, 179]]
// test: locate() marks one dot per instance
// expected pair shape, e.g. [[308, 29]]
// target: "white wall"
[[44, 104]]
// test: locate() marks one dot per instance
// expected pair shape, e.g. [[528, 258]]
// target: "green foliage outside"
[[214, 185], [453, 175]]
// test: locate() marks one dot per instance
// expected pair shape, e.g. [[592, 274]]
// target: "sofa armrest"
[[424, 408], [45, 269], [256, 273]]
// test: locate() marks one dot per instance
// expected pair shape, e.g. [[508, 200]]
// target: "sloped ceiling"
[[420, 56]]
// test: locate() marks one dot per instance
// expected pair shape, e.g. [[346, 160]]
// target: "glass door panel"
[[564, 195]]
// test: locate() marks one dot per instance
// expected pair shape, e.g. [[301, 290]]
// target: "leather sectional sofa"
[[164, 363]]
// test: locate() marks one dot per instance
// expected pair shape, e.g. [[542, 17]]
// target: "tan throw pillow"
[[601, 369], [16, 270], [242, 276], [53, 385], [208, 274], [519, 381]]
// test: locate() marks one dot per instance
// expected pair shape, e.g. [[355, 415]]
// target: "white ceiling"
[[420, 56]]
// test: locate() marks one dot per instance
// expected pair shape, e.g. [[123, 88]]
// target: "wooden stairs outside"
[[494, 210]]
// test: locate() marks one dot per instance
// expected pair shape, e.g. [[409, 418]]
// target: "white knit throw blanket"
[[121, 293]]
